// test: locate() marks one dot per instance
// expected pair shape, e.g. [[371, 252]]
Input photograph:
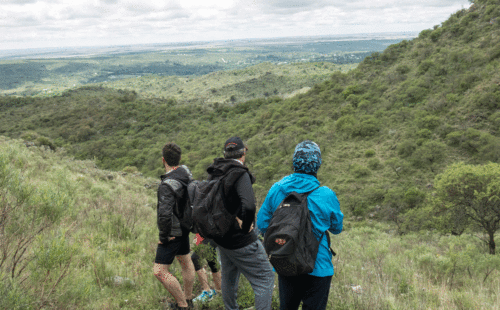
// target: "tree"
[[473, 192]]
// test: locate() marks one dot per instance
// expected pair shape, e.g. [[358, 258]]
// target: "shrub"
[[425, 66], [29, 136], [369, 153], [345, 124], [429, 122], [359, 171], [130, 169], [402, 69], [367, 126], [436, 34], [455, 138], [374, 163], [406, 148], [44, 141]]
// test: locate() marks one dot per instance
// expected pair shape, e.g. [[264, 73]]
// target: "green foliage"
[[406, 148], [359, 171], [369, 153], [374, 163], [422, 105], [475, 191]]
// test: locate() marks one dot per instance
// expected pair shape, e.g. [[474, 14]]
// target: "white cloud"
[[38, 23]]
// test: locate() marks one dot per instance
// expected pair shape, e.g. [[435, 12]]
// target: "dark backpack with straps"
[[182, 209], [289, 241], [210, 216]]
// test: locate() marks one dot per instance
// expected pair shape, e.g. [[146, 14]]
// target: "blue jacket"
[[324, 210]]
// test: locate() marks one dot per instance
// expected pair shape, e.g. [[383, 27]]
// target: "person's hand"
[[240, 223], [171, 238]]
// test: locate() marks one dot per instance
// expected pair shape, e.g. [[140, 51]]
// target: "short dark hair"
[[234, 154], [172, 154]]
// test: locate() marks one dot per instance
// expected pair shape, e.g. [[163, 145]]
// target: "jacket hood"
[[298, 182], [221, 166], [181, 174]]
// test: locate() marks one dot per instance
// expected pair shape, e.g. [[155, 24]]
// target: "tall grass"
[[76, 237]]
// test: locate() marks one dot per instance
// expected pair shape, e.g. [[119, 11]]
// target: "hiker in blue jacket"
[[310, 289]]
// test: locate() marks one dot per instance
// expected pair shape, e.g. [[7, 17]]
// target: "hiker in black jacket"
[[173, 237], [239, 249]]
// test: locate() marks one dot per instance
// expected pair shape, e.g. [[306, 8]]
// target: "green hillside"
[[390, 131], [387, 127], [78, 237], [258, 81]]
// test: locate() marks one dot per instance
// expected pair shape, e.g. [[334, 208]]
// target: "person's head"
[[234, 148], [171, 154], [307, 157]]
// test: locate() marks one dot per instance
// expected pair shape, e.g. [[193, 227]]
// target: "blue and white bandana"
[[307, 157]]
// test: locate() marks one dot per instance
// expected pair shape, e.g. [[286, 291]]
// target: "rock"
[[357, 289], [117, 280]]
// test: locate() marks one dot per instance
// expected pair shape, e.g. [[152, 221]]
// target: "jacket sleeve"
[[245, 192], [165, 210], [336, 217], [266, 211]]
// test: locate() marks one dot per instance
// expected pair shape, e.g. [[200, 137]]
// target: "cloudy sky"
[[63, 23]]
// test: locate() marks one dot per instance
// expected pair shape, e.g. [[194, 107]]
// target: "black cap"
[[233, 144]]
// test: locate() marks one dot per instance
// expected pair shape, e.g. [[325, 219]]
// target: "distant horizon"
[[20, 52], [30, 24]]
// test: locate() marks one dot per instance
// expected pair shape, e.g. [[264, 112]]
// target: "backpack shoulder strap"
[[326, 232], [173, 184]]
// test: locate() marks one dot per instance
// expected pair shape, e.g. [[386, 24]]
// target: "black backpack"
[[210, 216], [182, 209], [289, 240]]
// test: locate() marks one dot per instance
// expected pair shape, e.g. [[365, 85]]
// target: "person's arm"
[[336, 217], [165, 209], [266, 212], [245, 192]]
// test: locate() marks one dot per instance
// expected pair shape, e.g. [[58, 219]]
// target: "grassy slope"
[[99, 240], [257, 81]]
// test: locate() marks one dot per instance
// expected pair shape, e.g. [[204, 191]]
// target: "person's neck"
[[170, 169]]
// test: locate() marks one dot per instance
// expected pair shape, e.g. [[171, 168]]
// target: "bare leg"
[[202, 276], [170, 283], [187, 270], [217, 280]]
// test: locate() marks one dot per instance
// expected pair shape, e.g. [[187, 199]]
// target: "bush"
[[374, 163], [436, 34], [29, 136], [406, 148], [359, 171], [44, 141], [367, 126], [429, 122], [369, 153], [424, 133]]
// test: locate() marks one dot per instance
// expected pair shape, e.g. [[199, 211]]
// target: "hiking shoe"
[[212, 293], [204, 296]]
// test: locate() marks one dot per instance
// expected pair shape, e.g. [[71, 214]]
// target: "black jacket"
[[239, 200], [170, 196]]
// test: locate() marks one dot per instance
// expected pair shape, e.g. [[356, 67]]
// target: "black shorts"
[[166, 252]]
